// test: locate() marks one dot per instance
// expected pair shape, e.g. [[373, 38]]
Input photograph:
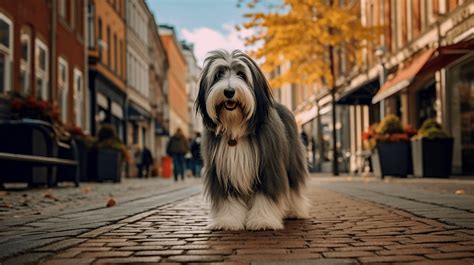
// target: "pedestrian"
[[147, 162], [196, 152], [137, 158], [177, 147]]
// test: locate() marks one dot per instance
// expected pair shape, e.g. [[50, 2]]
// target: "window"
[[6, 53], [90, 25], [78, 95], [108, 48], [115, 52], [62, 8], [41, 69], [63, 88], [99, 28], [25, 63]]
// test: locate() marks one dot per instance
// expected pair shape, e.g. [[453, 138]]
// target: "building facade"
[[141, 132], [107, 65], [420, 67], [158, 69], [192, 88], [177, 75], [42, 54]]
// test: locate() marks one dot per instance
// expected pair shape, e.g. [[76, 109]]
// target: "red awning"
[[427, 62], [403, 77]]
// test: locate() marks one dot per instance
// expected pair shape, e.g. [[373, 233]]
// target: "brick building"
[[43, 54], [419, 68], [107, 64], [177, 74]]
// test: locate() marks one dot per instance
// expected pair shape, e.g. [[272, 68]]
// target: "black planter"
[[83, 158], [432, 157], [392, 159], [109, 165]]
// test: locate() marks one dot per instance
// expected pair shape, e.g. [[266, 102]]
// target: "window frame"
[[41, 92], [78, 97], [25, 66], [63, 89], [8, 51]]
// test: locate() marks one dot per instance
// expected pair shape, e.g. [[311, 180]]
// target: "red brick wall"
[[36, 15], [70, 45]]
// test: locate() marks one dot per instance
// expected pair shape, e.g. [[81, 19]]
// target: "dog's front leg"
[[228, 214], [264, 214]]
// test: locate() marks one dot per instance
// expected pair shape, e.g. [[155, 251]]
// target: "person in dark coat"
[[196, 152], [147, 162], [177, 147]]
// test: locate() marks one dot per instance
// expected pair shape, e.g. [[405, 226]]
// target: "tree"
[[304, 33]]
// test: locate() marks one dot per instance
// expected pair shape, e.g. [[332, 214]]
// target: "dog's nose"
[[229, 92]]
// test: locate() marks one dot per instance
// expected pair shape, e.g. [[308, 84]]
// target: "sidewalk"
[[344, 228]]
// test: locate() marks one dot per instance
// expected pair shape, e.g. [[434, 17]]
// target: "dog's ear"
[[263, 95], [200, 103]]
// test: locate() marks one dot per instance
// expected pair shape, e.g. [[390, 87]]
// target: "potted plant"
[[390, 145], [108, 156], [432, 151]]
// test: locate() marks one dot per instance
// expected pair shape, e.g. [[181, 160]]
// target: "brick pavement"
[[341, 230]]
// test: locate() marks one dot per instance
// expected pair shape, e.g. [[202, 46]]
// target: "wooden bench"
[[29, 152]]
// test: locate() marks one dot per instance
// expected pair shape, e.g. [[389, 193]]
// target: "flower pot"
[[432, 157], [109, 165], [392, 159]]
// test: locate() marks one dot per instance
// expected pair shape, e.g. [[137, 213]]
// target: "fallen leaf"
[[6, 205], [86, 189], [50, 196], [459, 192], [111, 202]]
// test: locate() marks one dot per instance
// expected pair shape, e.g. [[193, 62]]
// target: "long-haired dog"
[[254, 163]]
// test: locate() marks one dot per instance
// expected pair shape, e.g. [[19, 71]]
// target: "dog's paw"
[[264, 224], [223, 224]]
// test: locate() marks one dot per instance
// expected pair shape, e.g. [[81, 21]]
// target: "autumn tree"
[[303, 34]]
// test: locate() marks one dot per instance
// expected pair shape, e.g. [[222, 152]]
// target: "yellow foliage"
[[300, 32]]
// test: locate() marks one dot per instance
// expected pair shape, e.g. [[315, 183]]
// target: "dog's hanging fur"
[[260, 180]]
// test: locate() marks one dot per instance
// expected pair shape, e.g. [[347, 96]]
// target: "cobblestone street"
[[353, 220]]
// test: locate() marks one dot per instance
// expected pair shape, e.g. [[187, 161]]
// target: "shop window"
[[78, 96], [63, 88], [25, 63], [41, 69], [6, 53], [425, 104]]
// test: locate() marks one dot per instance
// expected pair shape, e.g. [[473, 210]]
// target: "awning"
[[426, 63], [136, 113], [361, 95], [403, 77]]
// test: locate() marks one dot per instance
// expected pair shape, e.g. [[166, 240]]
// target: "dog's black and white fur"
[[254, 163]]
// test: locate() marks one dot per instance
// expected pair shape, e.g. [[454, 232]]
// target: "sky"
[[209, 24]]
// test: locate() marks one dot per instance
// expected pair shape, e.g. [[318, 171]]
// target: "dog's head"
[[232, 91]]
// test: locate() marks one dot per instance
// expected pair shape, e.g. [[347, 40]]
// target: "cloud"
[[207, 39]]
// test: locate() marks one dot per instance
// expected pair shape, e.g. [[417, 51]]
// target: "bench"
[[30, 152]]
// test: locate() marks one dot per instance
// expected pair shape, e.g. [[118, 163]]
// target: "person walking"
[[177, 147], [196, 152], [138, 159], [147, 162]]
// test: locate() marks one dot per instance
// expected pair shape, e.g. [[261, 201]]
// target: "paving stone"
[[129, 260], [195, 258]]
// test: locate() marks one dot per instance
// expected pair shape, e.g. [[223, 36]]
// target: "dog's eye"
[[220, 74], [241, 75]]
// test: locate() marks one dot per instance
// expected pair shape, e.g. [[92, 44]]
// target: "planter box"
[[432, 157], [109, 165], [392, 159]]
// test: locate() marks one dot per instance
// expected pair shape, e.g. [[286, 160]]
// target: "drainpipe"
[[85, 82]]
